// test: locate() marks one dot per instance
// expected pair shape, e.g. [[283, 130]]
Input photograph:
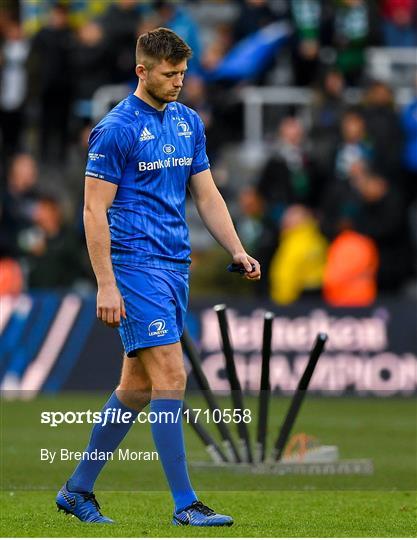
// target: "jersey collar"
[[142, 105]]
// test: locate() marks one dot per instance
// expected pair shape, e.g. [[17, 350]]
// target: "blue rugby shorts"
[[156, 303]]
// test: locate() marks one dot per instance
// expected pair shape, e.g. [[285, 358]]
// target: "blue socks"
[[103, 439], [169, 441]]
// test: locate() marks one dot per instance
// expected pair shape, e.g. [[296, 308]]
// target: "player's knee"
[[173, 378], [179, 379], [134, 398]]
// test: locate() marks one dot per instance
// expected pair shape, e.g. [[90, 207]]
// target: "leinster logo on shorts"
[[168, 148], [183, 129], [157, 328]]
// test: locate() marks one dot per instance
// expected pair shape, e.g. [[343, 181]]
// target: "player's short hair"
[[161, 44]]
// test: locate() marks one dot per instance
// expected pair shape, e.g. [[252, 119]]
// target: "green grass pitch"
[[134, 493]]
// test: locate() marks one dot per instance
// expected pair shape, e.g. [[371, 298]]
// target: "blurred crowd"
[[331, 210], [334, 208]]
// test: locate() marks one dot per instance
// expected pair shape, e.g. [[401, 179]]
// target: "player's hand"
[[110, 305], [251, 265]]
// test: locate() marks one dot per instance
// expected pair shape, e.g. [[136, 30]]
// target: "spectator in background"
[[351, 35], [327, 110], [286, 179], [147, 22], [11, 277], [51, 75], [215, 51], [350, 275], [384, 129], [225, 108], [75, 170], [306, 15], [194, 95], [120, 24], [17, 208], [371, 206], [259, 230], [409, 125], [254, 15], [57, 258], [251, 226], [298, 264], [400, 23], [382, 217], [14, 52], [355, 145], [90, 67], [211, 102], [179, 20]]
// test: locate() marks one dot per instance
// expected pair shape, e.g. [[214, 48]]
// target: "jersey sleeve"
[[200, 159], [108, 149]]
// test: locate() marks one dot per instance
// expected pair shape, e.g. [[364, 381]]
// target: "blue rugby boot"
[[84, 506], [200, 515]]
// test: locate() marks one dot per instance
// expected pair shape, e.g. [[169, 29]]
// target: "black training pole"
[[265, 388], [195, 361], [213, 450], [299, 395], [237, 397]]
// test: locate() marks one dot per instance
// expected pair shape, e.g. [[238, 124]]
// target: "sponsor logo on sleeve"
[[94, 156], [94, 175]]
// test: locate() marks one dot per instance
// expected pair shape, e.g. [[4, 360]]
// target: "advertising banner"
[[51, 342]]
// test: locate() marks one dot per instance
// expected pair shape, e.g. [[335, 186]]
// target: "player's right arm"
[[98, 198]]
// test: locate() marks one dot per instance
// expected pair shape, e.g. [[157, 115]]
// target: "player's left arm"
[[215, 215]]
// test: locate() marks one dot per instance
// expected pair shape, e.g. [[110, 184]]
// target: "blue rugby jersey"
[[150, 155]]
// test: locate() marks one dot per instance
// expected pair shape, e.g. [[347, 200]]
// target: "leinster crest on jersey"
[[183, 129]]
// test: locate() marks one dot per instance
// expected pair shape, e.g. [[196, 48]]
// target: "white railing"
[[396, 66], [255, 98], [393, 65], [106, 97]]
